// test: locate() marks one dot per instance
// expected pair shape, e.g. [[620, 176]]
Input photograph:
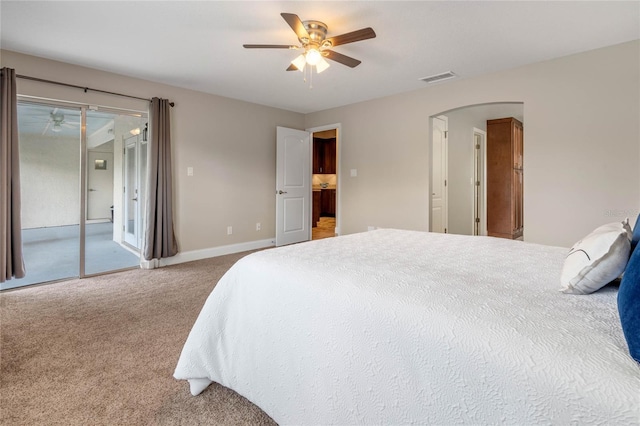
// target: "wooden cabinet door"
[[331, 210], [504, 178], [328, 202], [324, 156], [330, 156], [317, 156], [517, 204], [517, 144], [317, 207]]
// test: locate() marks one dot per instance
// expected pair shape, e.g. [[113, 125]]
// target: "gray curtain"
[[159, 239], [11, 260]]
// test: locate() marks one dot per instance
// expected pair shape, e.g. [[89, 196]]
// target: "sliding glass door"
[[72, 171]]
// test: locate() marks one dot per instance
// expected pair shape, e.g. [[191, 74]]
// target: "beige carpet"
[[103, 351]]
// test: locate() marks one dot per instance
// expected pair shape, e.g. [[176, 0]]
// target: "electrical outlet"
[[258, 226], [229, 230]]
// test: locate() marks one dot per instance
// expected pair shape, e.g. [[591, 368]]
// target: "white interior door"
[[439, 202], [293, 186], [99, 185], [131, 201]]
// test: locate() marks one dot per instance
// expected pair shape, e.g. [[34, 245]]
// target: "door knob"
[[134, 199], [92, 190], [282, 192]]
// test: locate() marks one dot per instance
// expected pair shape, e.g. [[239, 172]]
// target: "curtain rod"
[[86, 89]]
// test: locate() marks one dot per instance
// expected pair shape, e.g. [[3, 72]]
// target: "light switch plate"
[[354, 172]]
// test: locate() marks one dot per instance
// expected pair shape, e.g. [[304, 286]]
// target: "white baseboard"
[[189, 256]]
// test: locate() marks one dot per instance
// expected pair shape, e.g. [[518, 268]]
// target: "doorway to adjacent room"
[[324, 183], [460, 166]]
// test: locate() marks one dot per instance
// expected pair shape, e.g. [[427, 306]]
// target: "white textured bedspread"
[[397, 327]]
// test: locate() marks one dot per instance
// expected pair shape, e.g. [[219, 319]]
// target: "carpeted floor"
[[102, 351]]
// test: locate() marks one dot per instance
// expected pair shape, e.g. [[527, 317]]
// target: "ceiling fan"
[[57, 120], [312, 36]]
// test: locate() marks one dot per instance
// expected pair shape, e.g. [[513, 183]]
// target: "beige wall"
[[229, 143], [582, 145]]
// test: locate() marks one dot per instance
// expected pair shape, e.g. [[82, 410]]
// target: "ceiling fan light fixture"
[[56, 127], [313, 56], [322, 65], [299, 62]]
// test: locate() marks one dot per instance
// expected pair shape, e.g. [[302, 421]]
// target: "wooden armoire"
[[504, 178]]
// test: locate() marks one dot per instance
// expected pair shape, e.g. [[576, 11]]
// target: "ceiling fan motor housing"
[[57, 117], [317, 33]]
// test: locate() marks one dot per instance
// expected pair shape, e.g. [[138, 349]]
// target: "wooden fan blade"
[[292, 68], [352, 37], [269, 46], [343, 59], [296, 25]]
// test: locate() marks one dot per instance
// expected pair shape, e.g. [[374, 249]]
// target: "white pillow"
[[597, 259]]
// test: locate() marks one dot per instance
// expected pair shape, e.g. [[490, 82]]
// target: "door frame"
[[483, 181], [338, 128]]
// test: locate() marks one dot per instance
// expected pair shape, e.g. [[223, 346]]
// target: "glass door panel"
[[107, 133], [50, 177]]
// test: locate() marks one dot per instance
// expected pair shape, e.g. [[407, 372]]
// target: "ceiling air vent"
[[439, 77]]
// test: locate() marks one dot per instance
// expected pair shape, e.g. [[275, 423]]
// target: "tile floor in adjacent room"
[[326, 228]]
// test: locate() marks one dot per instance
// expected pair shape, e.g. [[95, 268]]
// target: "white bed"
[[397, 327]]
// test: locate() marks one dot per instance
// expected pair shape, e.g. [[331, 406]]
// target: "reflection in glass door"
[[107, 133], [72, 190], [49, 144]]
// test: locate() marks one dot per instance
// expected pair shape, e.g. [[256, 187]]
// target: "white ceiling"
[[198, 45]]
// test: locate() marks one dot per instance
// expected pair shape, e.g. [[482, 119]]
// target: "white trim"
[[338, 127], [149, 264], [189, 256]]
